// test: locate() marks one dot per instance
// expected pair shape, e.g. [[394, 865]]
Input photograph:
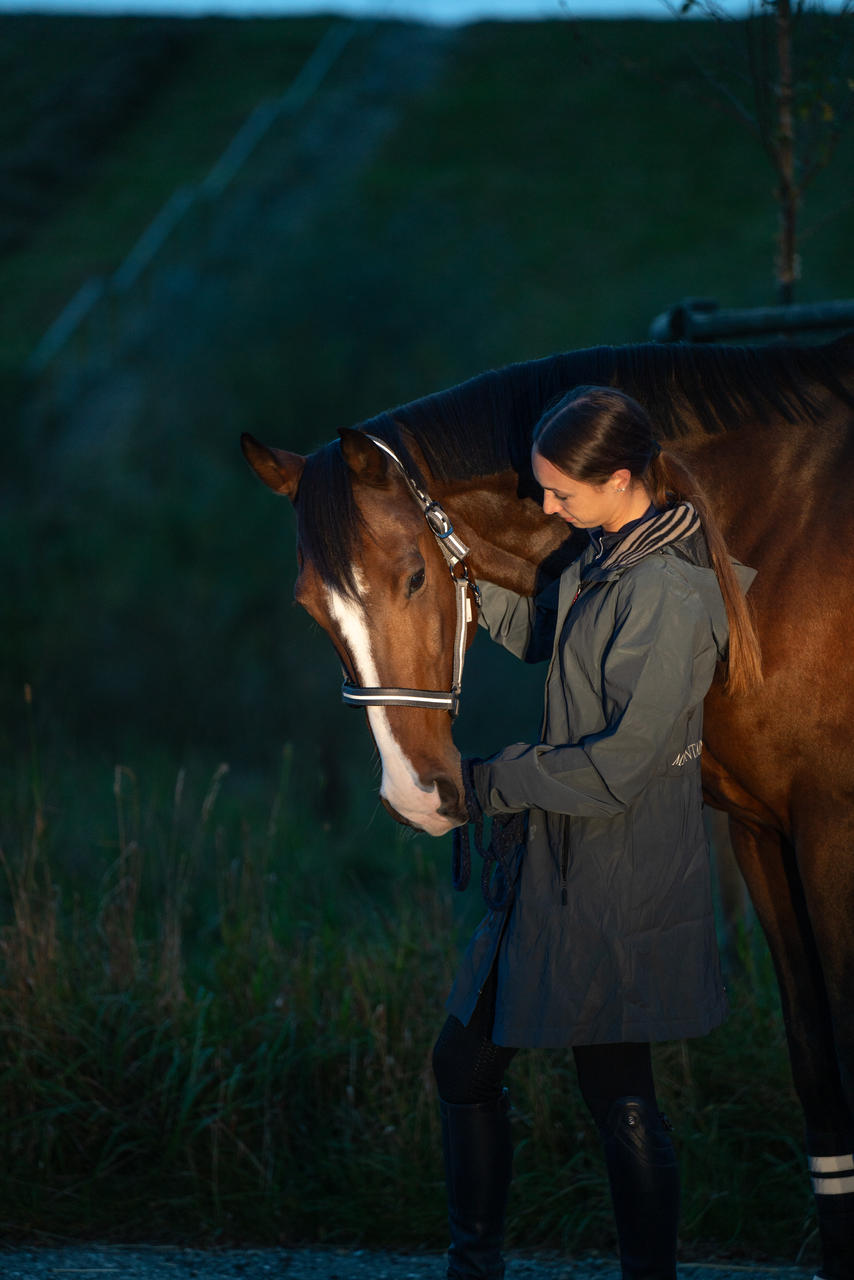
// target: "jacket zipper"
[[564, 864], [564, 854]]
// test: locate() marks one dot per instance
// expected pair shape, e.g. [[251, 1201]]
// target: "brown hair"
[[590, 433]]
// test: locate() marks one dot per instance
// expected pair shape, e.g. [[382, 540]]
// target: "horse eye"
[[416, 582]]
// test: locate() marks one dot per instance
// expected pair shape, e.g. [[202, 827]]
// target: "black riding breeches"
[[469, 1067]]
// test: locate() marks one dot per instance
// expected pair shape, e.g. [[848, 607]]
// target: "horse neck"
[[513, 543], [510, 537]]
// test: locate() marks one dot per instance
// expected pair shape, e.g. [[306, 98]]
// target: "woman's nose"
[[550, 505]]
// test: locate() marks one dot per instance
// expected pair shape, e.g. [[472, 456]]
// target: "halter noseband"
[[455, 551]]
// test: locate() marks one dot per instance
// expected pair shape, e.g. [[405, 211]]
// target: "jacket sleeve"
[[525, 625], [659, 662]]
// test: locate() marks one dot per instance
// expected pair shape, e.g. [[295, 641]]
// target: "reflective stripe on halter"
[[455, 551]]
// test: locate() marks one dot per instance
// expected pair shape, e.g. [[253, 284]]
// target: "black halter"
[[455, 551]]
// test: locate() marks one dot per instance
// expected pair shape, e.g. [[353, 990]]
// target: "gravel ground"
[[135, 1263]]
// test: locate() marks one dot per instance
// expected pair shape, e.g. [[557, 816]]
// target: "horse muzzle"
[[449, 812]]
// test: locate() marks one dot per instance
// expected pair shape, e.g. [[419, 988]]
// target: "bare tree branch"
[[799, 107]]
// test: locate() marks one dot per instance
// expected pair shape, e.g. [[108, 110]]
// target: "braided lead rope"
[[506, 835]]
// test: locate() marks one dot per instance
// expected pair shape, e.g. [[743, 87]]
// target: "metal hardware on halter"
[[455, 551]]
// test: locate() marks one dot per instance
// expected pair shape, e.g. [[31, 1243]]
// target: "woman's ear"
[[621, 479]]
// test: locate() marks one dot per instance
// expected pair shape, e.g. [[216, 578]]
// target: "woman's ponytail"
[[668, 479]]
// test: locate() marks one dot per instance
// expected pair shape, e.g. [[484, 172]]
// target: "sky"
[[444, 12]]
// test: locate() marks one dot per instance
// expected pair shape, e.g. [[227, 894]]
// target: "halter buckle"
[[437, 519]]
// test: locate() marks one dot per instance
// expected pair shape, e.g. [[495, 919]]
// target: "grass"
[[606, 182], [202, 1042], [187, 117]]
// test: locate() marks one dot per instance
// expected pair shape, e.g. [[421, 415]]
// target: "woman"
[[608, 941]]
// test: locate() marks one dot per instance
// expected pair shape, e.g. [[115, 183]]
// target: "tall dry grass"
[[226, 1033]]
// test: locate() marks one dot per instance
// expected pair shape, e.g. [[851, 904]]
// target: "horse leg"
[[812, 957], [824, 839]]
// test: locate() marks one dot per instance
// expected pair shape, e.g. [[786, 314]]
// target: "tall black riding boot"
[[644, 1188], [478, 1164]]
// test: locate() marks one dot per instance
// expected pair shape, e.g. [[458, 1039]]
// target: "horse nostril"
[[451, 803]]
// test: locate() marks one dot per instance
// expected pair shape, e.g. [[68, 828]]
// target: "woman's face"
[[587, 506]]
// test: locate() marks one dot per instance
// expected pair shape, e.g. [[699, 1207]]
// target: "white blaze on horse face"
[[401, 787]]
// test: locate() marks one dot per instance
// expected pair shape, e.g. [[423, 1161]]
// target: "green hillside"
[[444, 202], [448, 201]]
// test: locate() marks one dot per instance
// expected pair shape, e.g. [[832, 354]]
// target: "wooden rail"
[[702, 320]]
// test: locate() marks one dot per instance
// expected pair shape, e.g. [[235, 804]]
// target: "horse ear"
[[363, 457], [281, 471]]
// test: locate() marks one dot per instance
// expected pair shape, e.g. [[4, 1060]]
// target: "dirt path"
[[136, 1263]]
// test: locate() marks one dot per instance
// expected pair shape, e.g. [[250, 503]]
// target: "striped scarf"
[[650, 536]]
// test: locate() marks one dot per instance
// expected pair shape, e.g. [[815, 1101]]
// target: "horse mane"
[[483, 426]]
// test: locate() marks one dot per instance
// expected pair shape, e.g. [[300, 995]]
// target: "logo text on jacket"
[[691, 752]]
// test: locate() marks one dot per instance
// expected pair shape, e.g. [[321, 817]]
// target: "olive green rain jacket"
[[610, 933]]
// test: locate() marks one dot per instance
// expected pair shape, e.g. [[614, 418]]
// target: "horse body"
[[770, 435]]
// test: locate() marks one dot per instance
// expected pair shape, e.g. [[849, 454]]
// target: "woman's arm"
[[659, 662], [524, 625]]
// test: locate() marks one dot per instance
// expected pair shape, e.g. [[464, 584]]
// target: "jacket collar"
[[644, 537], [641, 538]]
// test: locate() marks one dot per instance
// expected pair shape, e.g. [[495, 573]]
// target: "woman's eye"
[[416, 582]]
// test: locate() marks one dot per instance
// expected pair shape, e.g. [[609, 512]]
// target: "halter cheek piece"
[[455, 551]]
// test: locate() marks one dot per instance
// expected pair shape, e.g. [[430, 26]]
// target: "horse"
[[769, 432]]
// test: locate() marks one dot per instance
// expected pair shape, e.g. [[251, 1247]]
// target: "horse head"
[[372, 574]]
